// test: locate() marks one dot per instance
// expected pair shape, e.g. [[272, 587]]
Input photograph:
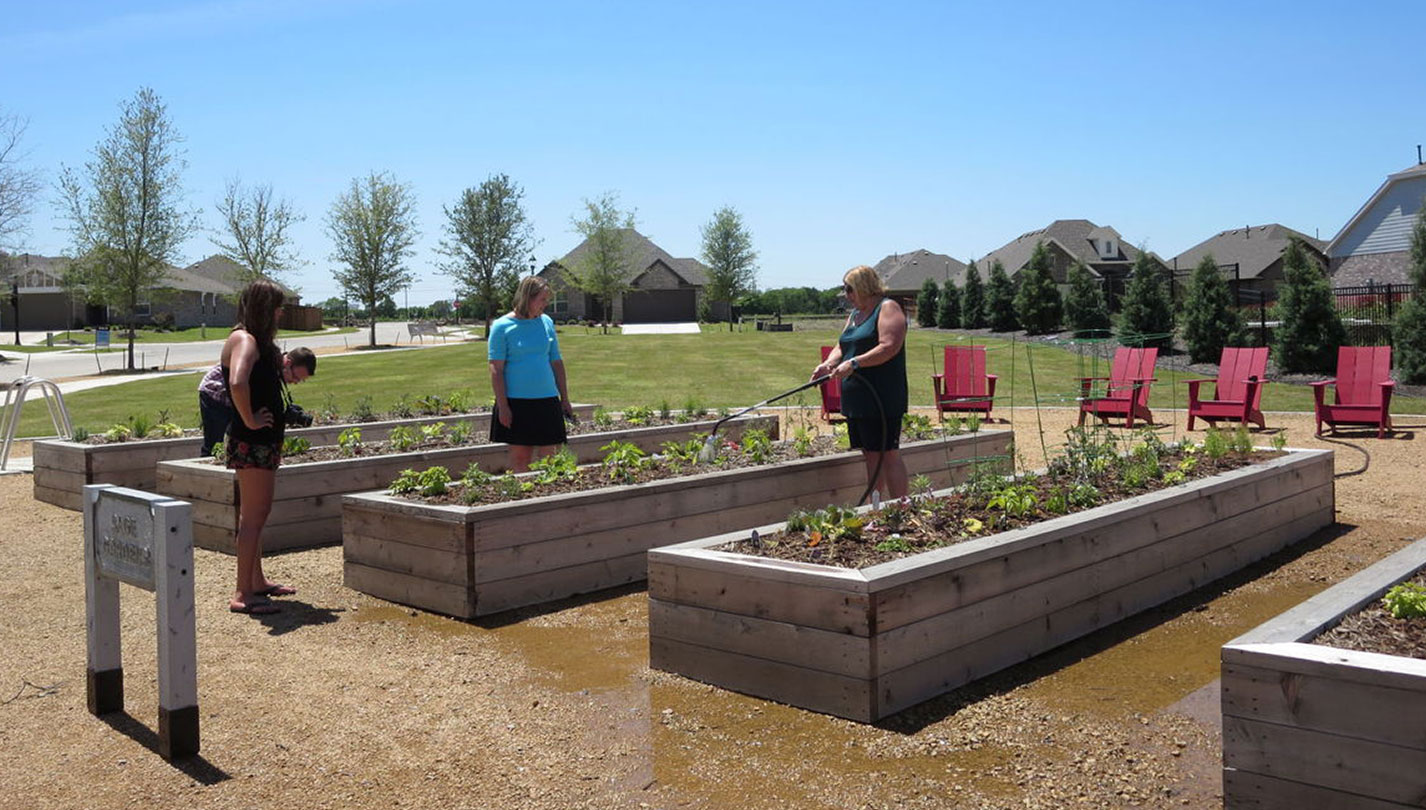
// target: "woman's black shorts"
[[865, 432], [533, 422]]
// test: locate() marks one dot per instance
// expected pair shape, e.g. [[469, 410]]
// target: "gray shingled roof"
[[906, 272], [643, 254], [1073, 235], [1253, 248], [215, 274]]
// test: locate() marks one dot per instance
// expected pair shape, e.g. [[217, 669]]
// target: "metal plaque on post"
[[146, 541]]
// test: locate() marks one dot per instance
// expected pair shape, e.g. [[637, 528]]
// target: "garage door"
[[661, 306]]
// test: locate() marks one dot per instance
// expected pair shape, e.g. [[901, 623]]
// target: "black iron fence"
[[1367, 311]]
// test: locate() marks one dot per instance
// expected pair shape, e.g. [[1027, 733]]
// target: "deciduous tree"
[[255, 232], [488, 241], [126, 211], [19, 185], [732, 262], [373, 226], [603, 269]]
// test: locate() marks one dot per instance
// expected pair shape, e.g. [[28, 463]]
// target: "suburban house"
[[1256, 250], [664, 289], [1106, 253], [904, 273], [204, 293], [1374, 247]]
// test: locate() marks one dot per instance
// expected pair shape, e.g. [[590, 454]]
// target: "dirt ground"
[[346, 701]]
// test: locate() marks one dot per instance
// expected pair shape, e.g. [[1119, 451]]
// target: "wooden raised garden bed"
[[1309, 726], [63, 468], [867, 643], [307, 506], [473, 561]]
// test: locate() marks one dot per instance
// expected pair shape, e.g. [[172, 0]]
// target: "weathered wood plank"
[[63, 498], [949, 669], [450, 566], [547, 586], [1254, 791], [1326, 704], [740, 592], [440, 597], [819, 691], [806, 647], [1331, 761], [409, 529], [1061, 583]]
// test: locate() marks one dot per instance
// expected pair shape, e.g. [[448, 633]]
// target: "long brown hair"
[[257, 314]]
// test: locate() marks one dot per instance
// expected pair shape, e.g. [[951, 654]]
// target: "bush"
[[1210, 321], [1310, 331], [1000, 300], [948, 312], [1148, 315], [926, 304], [973, 302], [1409, 330], [1085, 310], [1037, 303]]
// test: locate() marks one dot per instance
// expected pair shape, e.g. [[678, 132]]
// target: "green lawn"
[[716, 368]]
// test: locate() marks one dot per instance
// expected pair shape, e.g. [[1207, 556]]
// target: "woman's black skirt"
[[533, 422]]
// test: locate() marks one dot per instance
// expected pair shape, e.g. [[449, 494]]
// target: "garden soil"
[[346, 701]]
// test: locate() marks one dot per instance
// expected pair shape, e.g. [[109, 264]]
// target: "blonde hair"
[[864, 281], [530, 286]]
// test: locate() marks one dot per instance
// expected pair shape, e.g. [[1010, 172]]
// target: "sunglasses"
[[847, 288]]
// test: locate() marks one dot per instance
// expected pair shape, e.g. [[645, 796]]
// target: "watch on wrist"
[[855, 365]]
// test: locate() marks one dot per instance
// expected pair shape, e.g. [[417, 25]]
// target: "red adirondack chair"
[[1363, 387], [1237, 391], [964, 386], [1127, 394], [831, 393]]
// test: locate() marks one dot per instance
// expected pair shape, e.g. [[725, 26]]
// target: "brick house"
[[1374, 247], [905, 273], [1256, 250], [664, 289]]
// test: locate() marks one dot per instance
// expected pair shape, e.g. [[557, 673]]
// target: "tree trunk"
[[131, 343]]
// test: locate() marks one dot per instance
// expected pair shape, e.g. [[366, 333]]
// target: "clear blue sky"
[[841, 131]]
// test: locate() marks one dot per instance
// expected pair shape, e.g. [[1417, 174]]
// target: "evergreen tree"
[[1210, 321], [1085, 310], [948, 312], [973, 302], [926, 304], [1037, 302], [1000, 300], [1147, 318], [1310, 331], [1410, 328]]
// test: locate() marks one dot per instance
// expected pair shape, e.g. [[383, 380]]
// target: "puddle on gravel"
[[1154, 669]]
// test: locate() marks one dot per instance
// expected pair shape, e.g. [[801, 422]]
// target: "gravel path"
[[345, 701]]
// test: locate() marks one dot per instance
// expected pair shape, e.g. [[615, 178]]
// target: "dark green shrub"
[[973, 302], [1409, 331], [1310, 331], [926, 304], [948, 311], [1000, 300], [1085, 310], [1147, 318], [1210, 320], [1037, 302]]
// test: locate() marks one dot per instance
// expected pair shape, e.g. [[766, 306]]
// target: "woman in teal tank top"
[[870, 361]]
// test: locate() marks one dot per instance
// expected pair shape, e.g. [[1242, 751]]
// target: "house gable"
[[1384, 223]]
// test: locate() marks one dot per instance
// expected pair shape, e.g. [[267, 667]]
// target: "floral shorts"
[[244, 455]]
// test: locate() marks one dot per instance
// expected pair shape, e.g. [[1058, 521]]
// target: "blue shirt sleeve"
[[495, 343], [554, 338]]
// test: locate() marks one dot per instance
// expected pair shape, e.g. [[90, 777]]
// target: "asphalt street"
[[81, 368]]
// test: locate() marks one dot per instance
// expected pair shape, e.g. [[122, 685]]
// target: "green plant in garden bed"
[[349, 441], [1092, 469], [1406, 600]]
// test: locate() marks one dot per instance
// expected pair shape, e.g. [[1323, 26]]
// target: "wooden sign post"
[[146, 541]]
